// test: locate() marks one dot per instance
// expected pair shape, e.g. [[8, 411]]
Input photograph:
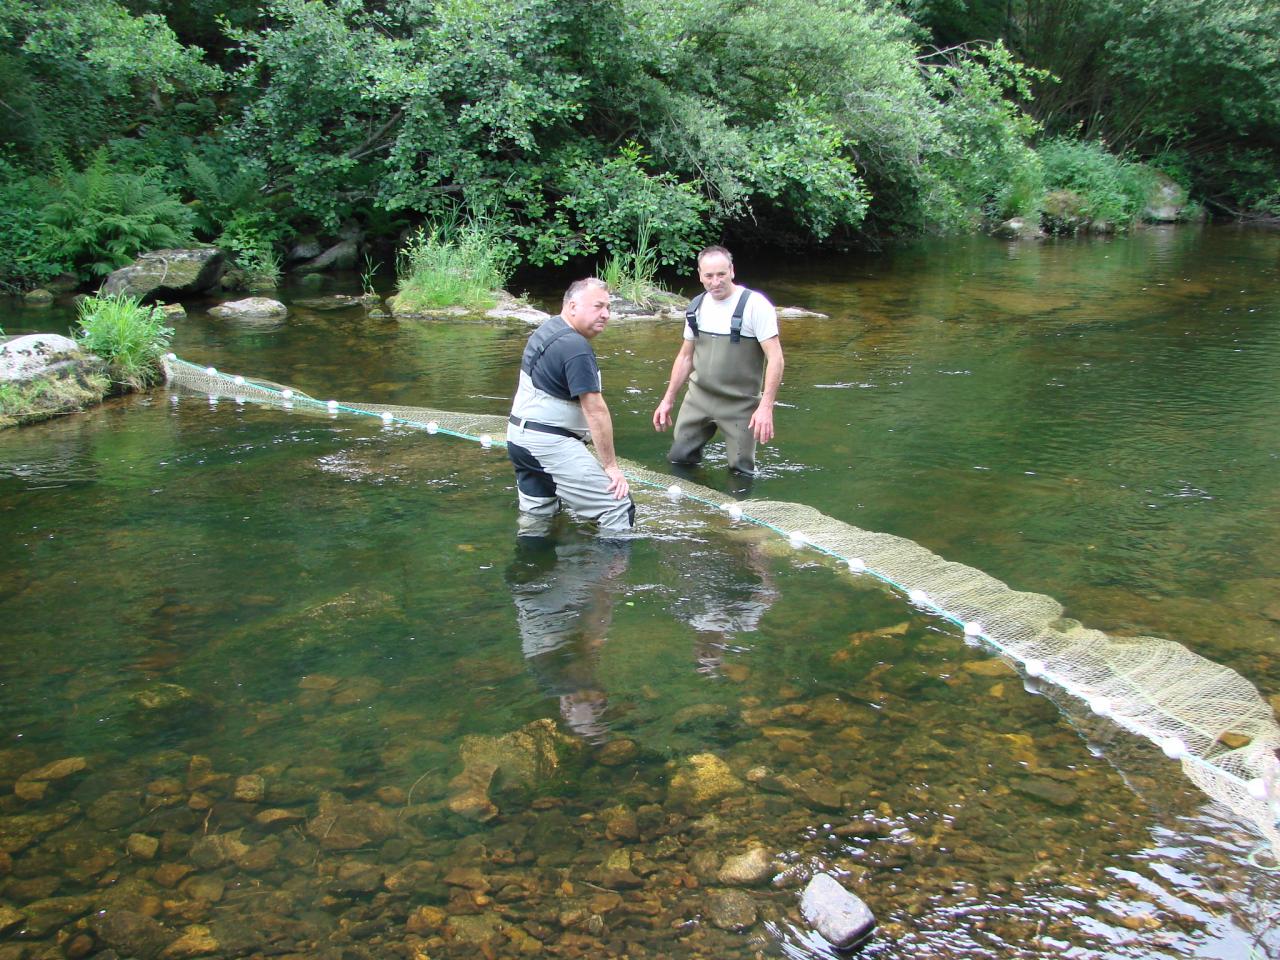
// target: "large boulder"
[[35, 355], [1167, 201], [343, 255], [173, 273], [840, 916]]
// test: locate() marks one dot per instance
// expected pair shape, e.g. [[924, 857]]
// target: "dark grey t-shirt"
[[567, 366]]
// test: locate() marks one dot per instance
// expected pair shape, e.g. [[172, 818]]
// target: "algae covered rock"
[[180, 271], [701, 780]]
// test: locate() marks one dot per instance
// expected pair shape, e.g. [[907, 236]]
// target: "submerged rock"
[[746, 869], [841, 917], [731, 910], [701, 780]]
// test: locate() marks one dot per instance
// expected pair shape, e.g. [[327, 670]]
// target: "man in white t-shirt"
[[732, 359]]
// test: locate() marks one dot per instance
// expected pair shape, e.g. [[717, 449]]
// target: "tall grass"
[[454, 262], [1103, 187], [632, 274], [131, 338]]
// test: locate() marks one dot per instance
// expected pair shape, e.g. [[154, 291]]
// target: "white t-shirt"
[[759, 319]]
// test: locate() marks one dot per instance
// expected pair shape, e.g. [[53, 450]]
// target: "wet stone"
[[207, 888], [349, 826], [46, 916], [277, 817], [1058, 794], [356, 876], [250, 788], [840, 916], [169, 875], [745, 870], [616, 753], [142, 847], [195, 941], [31, 790], [27, 889], [114, 810], [731, 910], [214, 850], [9, 918], [701, 780], [58, 770], [19, 832], [130, 933], [426, 920]]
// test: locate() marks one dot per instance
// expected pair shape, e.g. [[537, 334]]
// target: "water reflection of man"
[[722, 599], [564, 595]]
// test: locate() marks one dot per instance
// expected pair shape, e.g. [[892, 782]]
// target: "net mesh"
[[1203, 715]]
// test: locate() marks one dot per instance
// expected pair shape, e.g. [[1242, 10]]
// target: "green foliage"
[[130, 337], [1107, 188], [453, 262], [77, 72], [980, 164], [100, 218], [25, 258], [616, 202]]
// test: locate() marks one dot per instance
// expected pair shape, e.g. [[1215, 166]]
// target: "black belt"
[[543, 428]]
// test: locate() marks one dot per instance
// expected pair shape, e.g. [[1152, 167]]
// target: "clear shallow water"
[[337, 608]]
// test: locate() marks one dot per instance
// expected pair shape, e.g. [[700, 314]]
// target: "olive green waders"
[[724, 391]]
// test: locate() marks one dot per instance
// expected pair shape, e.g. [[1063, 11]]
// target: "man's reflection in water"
[[723, 597], [564, 593]]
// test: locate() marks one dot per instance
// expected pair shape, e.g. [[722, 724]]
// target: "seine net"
[[1200, 713]]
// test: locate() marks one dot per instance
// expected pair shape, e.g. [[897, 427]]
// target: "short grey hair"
[[712, 251], [579, 287]]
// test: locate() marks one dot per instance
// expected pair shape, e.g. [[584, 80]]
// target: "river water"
[[260, 666]]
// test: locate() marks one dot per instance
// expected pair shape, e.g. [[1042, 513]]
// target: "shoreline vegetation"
[[118, 348], [301, 134]]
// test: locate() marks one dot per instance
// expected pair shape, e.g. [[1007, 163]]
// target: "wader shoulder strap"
[[533, 361], [735, 325], [691, 314]]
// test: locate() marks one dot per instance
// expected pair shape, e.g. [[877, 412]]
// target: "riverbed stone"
[[251, 788], [746, 869], [732, 910], [140, 846], [115, 809], [205, 887], [356, 876], [840, 916], [216, 849], [1044, 788], [20, 831], [195, 941], [130, 933], [347, 826], [250, 308], [701, 780], [9, 918], [43, 917], [174, 272]]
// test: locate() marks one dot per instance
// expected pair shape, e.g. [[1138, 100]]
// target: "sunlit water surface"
[[196, 593]]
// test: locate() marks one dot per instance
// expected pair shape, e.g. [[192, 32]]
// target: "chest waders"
[[724, 391]]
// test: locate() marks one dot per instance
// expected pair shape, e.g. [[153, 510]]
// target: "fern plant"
[[100, 218]]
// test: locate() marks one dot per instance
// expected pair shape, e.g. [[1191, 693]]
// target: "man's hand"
[[618, 485], [662, 415], [762, 422]]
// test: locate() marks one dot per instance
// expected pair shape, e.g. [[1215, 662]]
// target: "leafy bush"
[[131, 338], [25, 258], [100, 218], [454, 262], [1109, 188]]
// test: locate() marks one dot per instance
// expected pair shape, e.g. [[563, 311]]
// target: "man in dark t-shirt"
[[557, 407]]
